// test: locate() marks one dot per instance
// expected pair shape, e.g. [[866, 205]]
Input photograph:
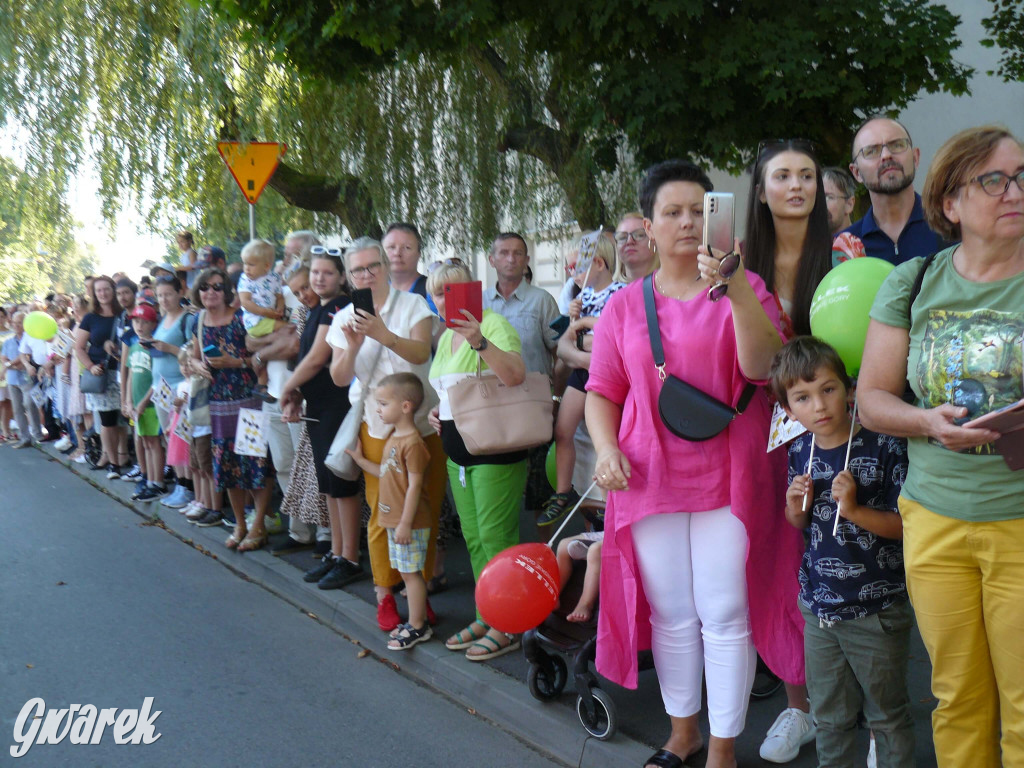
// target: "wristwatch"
[[482, 347]]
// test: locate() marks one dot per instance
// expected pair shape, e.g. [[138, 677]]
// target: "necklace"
[[685, 296]]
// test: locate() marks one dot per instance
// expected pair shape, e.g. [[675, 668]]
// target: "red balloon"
[[519, 588]]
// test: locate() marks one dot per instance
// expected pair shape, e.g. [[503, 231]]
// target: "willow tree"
[[38, 249], [465, 116]]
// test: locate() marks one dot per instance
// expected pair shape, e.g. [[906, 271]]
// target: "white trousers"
[[693, 571]]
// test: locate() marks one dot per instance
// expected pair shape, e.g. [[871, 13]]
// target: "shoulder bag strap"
[[659, 351], [915, 289]]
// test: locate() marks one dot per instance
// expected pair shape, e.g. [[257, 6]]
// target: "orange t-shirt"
[[402, 455]]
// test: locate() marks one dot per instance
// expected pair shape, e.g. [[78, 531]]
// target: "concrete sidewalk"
[[495, 690]]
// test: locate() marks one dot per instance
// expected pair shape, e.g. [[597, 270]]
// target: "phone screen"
[[362, 298]]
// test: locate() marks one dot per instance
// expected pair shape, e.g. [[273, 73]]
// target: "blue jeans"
[[861, 664]]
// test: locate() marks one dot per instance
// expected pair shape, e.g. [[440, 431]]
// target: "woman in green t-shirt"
[[958, 341], [487, 490]]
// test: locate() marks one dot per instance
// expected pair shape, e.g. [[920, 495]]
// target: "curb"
[[480, 689]]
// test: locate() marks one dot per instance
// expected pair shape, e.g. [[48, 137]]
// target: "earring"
[[654, 247]]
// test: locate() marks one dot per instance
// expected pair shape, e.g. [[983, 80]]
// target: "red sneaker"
[[431, 616], [387, 613]]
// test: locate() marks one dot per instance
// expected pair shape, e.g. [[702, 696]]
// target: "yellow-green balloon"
[[40, 325], [551, 467], [841, 303]]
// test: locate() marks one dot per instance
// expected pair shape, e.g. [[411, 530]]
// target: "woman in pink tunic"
[[693, 529]]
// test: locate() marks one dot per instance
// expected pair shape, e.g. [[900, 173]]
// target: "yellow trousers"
[[435, 483], [966, 583]]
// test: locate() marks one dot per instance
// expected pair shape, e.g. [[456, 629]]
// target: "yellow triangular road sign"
[[252, 164]]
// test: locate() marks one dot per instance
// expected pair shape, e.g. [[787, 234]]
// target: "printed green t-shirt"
[[965, 349], [140, 362]]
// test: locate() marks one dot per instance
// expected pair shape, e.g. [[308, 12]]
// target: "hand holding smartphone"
[[460, 296], [211, 350], [362, 298], [719, 221]]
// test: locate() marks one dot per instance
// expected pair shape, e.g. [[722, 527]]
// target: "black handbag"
[[688, 412]]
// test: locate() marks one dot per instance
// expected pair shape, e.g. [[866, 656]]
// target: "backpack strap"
[[915, 289]]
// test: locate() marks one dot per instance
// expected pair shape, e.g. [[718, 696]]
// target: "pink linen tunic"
[[670, 474]]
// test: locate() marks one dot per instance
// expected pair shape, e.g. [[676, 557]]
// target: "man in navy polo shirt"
[[885, 161]]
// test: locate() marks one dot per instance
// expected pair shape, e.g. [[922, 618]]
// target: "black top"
[[455, 447], [101, 330], [321, 392]]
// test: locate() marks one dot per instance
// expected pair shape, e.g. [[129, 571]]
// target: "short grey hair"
[[367, 244], [841, 178]]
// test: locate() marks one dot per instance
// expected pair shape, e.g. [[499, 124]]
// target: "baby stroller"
[[545, 648], [546, 645]]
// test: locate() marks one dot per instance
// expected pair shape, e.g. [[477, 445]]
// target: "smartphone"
[[146, 344], [362, 298], [719, 221], [559, 325], [211, 350], [459, 296]]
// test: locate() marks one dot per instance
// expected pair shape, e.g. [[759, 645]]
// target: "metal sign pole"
[[252, 221]]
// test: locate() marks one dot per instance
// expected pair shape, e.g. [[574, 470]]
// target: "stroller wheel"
[[766, 682], [545, 686], [604, 722]]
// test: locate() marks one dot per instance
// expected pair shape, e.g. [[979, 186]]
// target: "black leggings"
[[109, 418]]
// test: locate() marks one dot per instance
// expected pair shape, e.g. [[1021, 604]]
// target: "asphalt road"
[[98, 608]]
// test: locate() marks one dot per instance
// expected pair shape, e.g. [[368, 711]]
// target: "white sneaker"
[[791, 730], [872, 754], [63, 444], [189, 507]]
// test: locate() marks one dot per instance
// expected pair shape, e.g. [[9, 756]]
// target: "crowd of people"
[[711, 550]]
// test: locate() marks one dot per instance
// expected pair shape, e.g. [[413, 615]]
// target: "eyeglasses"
[[369, 269], [895, 147], [833, 198], [726, 269], [637, 236], [801, 145], [211, 287], [997, 182], [320, 250]]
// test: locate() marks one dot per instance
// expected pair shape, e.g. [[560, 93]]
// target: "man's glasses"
[[211, 287], [321, 250], [637, 236], [872, 151], [369, 269], [997, 182]]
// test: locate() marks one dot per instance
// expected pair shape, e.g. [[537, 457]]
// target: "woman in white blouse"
[[366, 349]]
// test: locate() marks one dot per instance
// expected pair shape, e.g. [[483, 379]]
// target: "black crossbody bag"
[[688, 412]]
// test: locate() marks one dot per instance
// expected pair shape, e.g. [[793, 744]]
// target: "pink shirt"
[[674, 475]]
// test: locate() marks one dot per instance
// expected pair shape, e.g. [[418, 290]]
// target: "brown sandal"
[[253, 542]]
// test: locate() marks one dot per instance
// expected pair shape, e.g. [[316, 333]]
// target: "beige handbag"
[[493, 418]]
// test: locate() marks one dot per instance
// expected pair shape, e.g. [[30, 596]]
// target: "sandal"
[[407, 636], [253, 542], [464, 638], [437, 584], [235, 539], [492, 648], [556, 507], [664, 759], [263, 394]]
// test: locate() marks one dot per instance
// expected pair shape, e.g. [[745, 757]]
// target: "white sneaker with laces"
[[791, 730]]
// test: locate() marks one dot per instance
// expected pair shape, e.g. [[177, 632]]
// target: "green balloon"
[[551, 467], [841, 303], [40, 325]]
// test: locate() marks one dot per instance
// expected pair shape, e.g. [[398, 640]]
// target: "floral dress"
[[231, 390]]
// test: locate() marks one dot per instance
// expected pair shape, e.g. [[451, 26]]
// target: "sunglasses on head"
[[801, 145], [321, 250]]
